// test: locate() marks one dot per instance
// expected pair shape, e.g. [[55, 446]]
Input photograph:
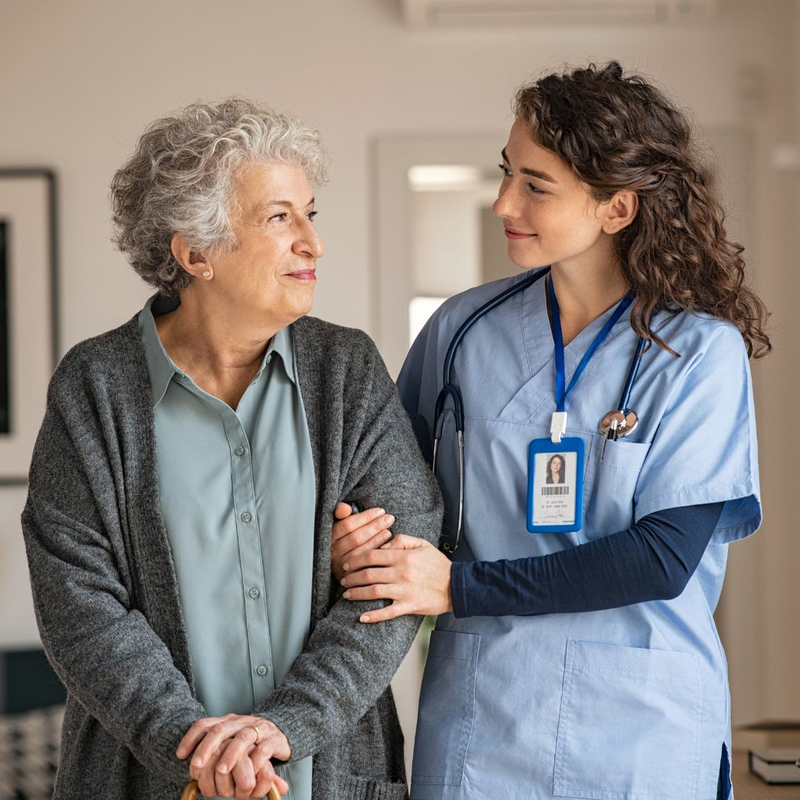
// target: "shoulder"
[[698, 337], [446, 320], [106, 358], [464, 303], [317, 339]]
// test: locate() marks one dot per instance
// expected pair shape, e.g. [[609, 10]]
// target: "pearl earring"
[[206, 273]]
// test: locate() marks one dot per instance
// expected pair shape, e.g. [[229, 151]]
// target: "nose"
[[505, 205], [309, 242]]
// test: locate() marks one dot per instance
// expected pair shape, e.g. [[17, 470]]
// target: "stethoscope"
[[614, 425]]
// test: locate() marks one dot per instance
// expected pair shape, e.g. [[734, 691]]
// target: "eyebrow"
[[263, 206], [534, 173]]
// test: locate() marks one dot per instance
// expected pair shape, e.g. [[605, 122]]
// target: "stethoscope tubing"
[[449, 390]]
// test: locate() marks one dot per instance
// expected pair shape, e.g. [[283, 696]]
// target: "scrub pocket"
[[629, 727], [610, 485], [446, 709]]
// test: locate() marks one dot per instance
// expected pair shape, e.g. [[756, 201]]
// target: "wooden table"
[[747, 786]]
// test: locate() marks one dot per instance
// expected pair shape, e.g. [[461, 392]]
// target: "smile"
[[512, 234], [303, 275]]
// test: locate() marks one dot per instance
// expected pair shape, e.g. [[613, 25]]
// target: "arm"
[[101, 646], [347, 666], [652, 560]]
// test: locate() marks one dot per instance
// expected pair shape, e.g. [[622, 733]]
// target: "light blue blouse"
[[237, 494]]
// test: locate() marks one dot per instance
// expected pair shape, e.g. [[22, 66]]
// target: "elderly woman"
[[182, 490]]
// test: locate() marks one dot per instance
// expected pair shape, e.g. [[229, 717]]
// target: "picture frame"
[[29, 345]]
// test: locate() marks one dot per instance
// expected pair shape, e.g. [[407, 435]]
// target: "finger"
[[264, 770], [206, 779], [349, 524], [264, 782], [238, 748], [360, 536], [378, 540], [224, 785], [194, 735], [244, 779], [342, 510], [369, 576], [405, 542], [396, 609], [375, 591], [381, 557], [224, 728]]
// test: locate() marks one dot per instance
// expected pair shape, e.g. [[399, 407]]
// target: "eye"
[[536, 189], [505, 170], [278, 217], [312, 215]]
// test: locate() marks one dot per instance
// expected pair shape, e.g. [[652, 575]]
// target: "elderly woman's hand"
[[357, 533], [409, 571], [231, 756]]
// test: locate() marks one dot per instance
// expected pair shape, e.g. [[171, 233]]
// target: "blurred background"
[[413, 101]]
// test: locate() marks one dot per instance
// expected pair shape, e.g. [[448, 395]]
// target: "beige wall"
[[79, 79]]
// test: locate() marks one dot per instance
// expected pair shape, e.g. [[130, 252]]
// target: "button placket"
[[250, 559]]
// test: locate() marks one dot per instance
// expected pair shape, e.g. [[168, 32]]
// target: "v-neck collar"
[[538, 335]]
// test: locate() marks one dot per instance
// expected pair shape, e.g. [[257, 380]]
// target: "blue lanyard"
[[558, 339]]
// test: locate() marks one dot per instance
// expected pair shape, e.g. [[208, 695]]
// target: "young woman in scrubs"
[[582, 662]]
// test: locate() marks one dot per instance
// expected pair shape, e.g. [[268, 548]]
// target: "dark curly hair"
[[617, 132]]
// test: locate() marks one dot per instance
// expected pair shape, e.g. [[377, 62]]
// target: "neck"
[[585, 293], [218, 346]]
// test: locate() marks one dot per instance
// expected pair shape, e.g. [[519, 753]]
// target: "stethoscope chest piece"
[[618, 424]]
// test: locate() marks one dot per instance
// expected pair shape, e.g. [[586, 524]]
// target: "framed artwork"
[[28, 308]]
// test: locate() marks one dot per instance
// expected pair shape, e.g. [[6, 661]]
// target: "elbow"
[[672, 586]]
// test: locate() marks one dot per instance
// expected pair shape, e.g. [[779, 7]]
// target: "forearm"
[[106, 654], [344, 669], [652, 560]]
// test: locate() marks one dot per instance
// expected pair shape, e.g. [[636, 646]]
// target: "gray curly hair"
[[181, 177]]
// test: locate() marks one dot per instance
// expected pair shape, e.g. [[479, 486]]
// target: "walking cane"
[[191, 790]]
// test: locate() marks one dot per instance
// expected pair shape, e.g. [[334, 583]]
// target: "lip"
[[303, 275], [512, 234]]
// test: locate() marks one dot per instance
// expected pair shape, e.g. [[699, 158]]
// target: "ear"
[[620, 211], [194, 263]]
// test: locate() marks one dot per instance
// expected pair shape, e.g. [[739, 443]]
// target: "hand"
[[231, 759], [409, 571], [357, 533]]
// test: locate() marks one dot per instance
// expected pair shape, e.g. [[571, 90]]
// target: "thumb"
[[404, 542], [342, 511]]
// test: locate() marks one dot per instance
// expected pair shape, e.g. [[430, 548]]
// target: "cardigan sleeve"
[[347, 665], [103, 648]]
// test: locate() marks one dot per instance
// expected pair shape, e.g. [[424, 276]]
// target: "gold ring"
[[258, 732]]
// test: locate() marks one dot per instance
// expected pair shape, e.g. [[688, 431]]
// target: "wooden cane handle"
[[191, 792]]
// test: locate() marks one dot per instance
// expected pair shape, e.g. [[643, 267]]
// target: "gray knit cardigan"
[[106, 595]]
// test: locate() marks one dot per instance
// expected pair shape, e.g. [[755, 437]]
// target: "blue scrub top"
[[621, 704]]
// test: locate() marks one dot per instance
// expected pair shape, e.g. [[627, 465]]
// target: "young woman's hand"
[[357, 533], [409, 571]]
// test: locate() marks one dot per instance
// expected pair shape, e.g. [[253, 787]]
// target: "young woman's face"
[[548, 214], [555, 465]]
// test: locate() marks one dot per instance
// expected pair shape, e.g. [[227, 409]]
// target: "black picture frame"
[[29, 324]]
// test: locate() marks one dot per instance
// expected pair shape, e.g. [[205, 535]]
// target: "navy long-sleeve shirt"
[[652, 560]]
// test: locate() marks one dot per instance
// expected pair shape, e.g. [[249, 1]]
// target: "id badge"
[[555, 485]]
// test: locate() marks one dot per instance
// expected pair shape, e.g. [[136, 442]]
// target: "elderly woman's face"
[[272, 271]]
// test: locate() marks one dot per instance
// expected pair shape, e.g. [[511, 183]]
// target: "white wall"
[[79, 80]]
